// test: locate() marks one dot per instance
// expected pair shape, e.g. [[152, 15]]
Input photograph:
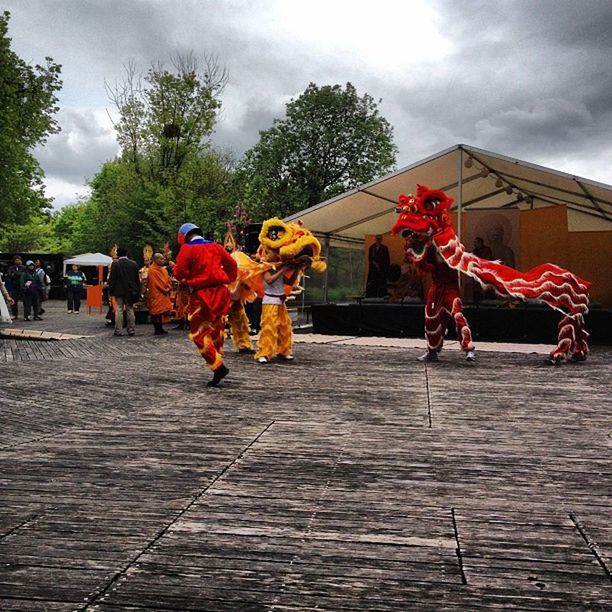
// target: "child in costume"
[[206, 268]]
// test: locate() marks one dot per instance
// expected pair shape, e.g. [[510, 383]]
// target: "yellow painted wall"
[[591, 259], [543, 237]]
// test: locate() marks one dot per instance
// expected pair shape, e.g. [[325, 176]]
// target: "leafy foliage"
[[28, 102], [331, 140], [36, 235], [167, 173]]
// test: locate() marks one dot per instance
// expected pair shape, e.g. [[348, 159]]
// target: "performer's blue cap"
[[184, 230]]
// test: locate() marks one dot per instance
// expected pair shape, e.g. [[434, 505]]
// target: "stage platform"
[[491, 321]]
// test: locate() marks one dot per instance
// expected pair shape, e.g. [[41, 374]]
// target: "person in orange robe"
[[207, 268], [158, 294]]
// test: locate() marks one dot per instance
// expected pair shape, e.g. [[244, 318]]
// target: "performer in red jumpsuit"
[[206, 268], [443, 304]]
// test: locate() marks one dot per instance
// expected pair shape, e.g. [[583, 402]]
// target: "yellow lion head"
[[289, 243]]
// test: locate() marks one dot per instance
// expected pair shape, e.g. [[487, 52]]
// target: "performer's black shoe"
[[470, 356], [180, 325], [219, 374], [556, 360], [429, 356], [250, 351]]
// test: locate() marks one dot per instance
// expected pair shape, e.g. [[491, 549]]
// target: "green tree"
[[167, 172], [129, 209], [167, 119], [37, 234], [331, 140], [27, 103]]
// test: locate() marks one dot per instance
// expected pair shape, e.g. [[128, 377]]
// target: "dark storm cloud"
[[524, 78]]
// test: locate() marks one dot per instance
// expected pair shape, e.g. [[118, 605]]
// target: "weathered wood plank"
[[126, 484]]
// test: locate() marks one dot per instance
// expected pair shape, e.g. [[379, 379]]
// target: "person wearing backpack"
[[45, 284]]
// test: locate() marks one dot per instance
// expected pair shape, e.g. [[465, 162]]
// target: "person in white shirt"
[[276, 335]]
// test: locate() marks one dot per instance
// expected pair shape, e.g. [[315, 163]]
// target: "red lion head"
[[421, 217]]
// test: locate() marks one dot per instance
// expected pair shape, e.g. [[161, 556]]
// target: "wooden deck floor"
[[352, 479]]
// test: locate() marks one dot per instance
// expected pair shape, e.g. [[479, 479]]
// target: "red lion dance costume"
[[206, 268], [432, 245]]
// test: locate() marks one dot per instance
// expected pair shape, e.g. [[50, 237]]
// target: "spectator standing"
[[5, 301], [484, 252], [158, 294], [13, 284], [378, 266], [124, 286], [45, 284], [481, 249], [31, 290], [75, 282]]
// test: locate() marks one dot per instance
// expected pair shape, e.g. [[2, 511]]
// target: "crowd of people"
[[28, 284], [194, 292]]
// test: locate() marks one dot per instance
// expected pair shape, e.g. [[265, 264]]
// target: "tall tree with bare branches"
[[167, 115]]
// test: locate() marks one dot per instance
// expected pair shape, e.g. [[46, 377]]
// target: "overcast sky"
[[530, 79]]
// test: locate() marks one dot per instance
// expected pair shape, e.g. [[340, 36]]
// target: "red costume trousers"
[[443, 304], [207, 312]]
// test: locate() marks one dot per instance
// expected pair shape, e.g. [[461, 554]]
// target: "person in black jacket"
[[13, 284], [124, 286], [31, 290]]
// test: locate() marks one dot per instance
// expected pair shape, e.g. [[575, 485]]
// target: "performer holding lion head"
[[288, 249], [432, 245]]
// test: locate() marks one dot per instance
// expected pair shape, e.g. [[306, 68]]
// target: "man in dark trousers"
[[124, 286], [378, 266], [13, 284]]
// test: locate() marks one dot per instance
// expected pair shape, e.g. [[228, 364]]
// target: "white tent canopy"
[[476, 179], [88, 259]]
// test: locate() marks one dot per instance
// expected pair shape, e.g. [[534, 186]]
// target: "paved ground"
[[354, 478]]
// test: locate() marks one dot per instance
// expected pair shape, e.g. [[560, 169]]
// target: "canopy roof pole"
[[326, 255], [459, 189], [459, 196]]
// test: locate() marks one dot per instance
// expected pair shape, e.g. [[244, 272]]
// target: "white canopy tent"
[[475, 178], [88, 259], [99, 260]]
